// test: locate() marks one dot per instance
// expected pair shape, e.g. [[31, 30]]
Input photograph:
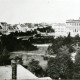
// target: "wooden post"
[[14, 69]]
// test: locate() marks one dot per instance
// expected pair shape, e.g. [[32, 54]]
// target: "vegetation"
[[62, 41], [35, 68], [61, 66], [13, 44], [77, 66], [4, 55], [9, 43], [47, 29], [41, 39], [28, 33]]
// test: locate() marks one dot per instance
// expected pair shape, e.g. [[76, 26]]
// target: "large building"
[[71, 26], [74, 26], [60, 29]]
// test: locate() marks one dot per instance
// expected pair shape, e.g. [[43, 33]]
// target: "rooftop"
[[22, 73], [73, 20], [59, 24]]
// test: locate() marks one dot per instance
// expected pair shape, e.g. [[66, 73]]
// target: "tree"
[[68, 40], [77, 66], [52, 69], [57, 43], [4, 57], [35, 68], [63, 50], [61, 66], [77, 38], [65, 66], [11, 43], [71, 49]]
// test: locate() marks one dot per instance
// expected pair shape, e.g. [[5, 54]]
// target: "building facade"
[[60, 29], [74, 26], [71, 26]]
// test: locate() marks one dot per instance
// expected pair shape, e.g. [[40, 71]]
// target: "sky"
[[36, 11]]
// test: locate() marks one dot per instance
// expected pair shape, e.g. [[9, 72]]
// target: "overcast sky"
[[15, 11]]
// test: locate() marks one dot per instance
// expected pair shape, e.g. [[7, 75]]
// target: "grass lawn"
[[36, 54]]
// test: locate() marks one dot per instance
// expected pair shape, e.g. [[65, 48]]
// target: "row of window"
[[75, 30], [74, 24], [60, 31]]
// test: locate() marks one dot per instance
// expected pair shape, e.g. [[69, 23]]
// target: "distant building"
[[73, 26], [3, 27], [63, 29], [6, 28], [23, 28], [60, 29], [20, 28]]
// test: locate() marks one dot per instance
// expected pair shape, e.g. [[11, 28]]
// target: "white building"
[[21, 28], [73, 26], [63, 29], [60, 29]]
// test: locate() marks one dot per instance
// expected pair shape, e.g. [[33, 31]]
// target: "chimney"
[[14, 69]]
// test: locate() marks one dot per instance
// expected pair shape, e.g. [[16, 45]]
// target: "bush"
[[4, 57], [35, 68]]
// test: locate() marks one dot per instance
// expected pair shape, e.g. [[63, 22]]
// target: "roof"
[[22, 73], [59, 24], [72, 21]]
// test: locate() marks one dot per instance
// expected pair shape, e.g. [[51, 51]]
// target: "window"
[[77, 24], [75, 30]]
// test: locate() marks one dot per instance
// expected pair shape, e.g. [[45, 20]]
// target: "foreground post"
[[14, 69]]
